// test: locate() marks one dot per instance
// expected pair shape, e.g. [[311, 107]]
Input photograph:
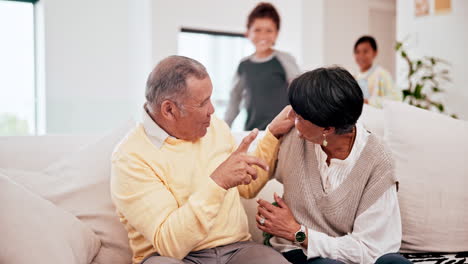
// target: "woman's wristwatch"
[[300, 236]]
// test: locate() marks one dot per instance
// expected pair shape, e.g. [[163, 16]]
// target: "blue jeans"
[[297, 257]]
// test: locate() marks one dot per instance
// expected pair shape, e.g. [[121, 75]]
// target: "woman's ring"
[[262, 220]]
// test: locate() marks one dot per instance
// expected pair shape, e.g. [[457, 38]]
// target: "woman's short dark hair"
[[264, 10], [368, 39], [327, 97]]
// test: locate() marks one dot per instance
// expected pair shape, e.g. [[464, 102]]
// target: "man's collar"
[[155, 133]]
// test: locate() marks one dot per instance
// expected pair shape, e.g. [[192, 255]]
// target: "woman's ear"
[[329, 130]]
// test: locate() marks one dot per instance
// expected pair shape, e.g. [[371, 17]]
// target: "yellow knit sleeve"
[[142, 197], [267, 149]]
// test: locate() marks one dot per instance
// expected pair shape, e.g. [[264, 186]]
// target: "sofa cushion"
[[33, 230], [430, 159], [79, 183], [373, 120]]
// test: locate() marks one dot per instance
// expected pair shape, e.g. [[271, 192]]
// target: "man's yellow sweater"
[[167, 200]]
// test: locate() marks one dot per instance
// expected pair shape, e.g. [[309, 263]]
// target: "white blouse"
[[376, 231]]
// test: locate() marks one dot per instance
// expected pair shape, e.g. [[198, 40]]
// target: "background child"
[[262, 78], [376, 83]]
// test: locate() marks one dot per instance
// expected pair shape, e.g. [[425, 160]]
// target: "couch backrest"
[[36, 152]]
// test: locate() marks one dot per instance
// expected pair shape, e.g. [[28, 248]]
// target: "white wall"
[[331, 27], [313, 32], [382, 26], [231, 16], [345, 22], [444, 36], [96, 55]]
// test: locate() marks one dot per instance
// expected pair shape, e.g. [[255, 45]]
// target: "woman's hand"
[[278, 220]]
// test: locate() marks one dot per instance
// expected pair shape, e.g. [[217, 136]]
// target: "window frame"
[[36, 72], [211, 32]]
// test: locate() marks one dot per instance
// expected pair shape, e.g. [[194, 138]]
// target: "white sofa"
[[55, 203]]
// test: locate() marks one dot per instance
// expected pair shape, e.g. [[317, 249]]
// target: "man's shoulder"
[[132, 140]]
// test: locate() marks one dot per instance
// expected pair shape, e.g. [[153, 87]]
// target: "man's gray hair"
[[168, 79]]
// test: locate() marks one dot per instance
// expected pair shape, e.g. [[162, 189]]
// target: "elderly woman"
[[340, 191]]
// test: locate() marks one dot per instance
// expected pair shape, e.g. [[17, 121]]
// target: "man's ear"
[[168, 110]]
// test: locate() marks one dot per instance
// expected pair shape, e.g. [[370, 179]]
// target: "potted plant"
[[425, 79]]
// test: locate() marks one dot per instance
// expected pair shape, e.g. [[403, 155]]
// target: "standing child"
[[376, 83], [262, 78]]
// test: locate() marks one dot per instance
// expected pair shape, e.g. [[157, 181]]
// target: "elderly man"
[[177, 177]]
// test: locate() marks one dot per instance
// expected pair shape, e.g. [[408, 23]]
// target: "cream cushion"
[[373, 120], [79, 183], [432, 166], [33, 230]]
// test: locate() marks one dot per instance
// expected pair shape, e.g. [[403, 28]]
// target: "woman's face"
[[307, 130], [364, 55]]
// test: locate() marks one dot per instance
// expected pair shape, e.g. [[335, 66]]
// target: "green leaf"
[[403, 54], [398, 45], [406, 93], [417, 91], [440, 107], [436, 89]]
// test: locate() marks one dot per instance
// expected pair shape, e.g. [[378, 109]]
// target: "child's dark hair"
[[368, 39], [264, 10]]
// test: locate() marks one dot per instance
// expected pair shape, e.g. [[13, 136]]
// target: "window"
[[220, 53], [17, 68]]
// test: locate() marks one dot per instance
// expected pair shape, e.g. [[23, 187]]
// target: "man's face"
[[194, 118]]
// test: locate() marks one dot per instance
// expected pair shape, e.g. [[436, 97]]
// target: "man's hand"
[[238, 168], [282, 123]]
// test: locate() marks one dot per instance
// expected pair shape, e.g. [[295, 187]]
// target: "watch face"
[[300, 236]]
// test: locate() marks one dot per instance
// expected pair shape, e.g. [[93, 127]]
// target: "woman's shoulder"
[[291, 136], [291, 145], [378, 149]]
